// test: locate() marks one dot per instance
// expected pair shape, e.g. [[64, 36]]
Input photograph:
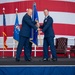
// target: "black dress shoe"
[[17, 60], [28, 60], [54, 59], [45, 59]]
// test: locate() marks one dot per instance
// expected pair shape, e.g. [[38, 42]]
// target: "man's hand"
[[37, 21], [38, 25]]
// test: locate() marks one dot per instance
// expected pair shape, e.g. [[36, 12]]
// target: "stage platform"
[[37, 61]]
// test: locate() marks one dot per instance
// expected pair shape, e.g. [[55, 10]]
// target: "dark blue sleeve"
[[49, 22], [30, 23], [34, 22]]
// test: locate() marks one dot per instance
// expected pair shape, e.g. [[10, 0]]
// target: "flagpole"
[[35, 51], [15, 40], [3, 35], [39, 37], [14, 52], [3, 46]]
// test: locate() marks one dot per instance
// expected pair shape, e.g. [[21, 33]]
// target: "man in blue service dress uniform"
[[24, 36], [49, 35]]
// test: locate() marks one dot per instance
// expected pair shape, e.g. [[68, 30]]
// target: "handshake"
[[37, 24]]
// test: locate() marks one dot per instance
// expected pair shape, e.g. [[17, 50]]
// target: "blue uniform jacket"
[[47, 27], [27, 24]]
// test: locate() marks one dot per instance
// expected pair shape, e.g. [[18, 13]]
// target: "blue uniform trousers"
[[23, 42], [49, 41]]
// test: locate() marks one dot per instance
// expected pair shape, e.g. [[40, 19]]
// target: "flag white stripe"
[[71, 39], [8, 1], [65, 0], [10, 45], [59, 17], [57, 36]]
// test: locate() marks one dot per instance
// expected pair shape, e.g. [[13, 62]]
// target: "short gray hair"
[[46, 10]]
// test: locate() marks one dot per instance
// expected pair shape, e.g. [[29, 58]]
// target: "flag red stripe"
[[60, 29], [51, 5], [64, 29]]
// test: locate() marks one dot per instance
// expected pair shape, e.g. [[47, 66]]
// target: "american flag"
[[62, 12], [4, 30]]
